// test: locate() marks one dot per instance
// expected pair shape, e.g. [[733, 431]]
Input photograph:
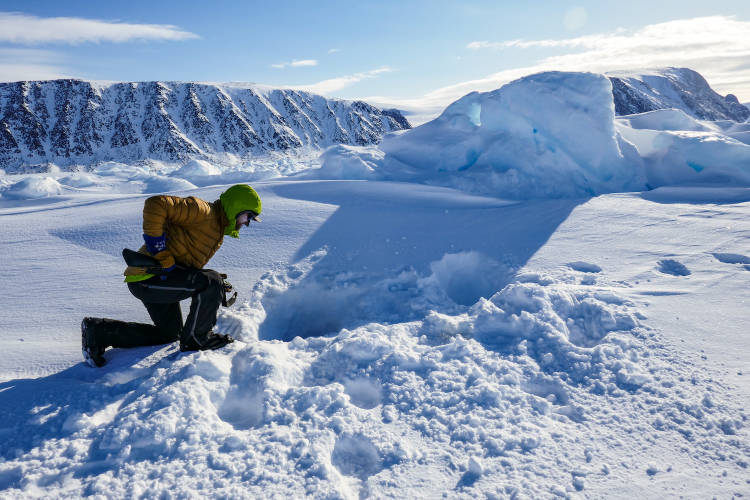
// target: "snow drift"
[[680, 157]]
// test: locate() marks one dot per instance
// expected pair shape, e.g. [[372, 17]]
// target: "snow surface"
[[398, 339]]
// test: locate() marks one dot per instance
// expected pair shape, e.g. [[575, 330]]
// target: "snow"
[[349, 162], [34, 187], [197, 168], [666, 119], [424, 339]]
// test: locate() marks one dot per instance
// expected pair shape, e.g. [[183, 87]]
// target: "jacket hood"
[[236, 199]]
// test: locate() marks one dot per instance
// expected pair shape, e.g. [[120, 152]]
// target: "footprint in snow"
[[356, 456], [673, 267], [584, 267], [733, 258], [363, 392]]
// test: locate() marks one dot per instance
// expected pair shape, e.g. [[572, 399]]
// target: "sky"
[[413, 54]]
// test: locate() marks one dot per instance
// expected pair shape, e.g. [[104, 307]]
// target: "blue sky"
[[409, 53]]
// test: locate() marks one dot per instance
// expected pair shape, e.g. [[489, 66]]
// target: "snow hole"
[[364, 392], [732, 258], [673, 267], [465, 277], [584, 267], [356, 456], [312, 303], [310, 309]]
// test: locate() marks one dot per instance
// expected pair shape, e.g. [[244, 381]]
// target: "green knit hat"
[[236, 199]]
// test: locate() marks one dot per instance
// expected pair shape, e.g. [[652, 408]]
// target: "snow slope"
[[396, 341]]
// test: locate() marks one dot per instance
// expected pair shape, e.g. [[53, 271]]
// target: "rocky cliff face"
[[74, 122], [680, 88]]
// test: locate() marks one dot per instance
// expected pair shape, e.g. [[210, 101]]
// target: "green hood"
[[236, 199]]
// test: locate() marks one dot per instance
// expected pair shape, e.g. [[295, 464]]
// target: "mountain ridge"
[[679, 88], [70, 122]]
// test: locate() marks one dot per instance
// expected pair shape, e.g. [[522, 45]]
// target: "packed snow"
[[488, 329]]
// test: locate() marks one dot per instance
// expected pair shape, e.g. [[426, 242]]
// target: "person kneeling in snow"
[[181, 234]]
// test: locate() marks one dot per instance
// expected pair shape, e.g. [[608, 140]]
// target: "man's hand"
[[229, 296]]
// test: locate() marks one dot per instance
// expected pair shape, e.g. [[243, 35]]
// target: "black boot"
[[92, 343], [205, 342]]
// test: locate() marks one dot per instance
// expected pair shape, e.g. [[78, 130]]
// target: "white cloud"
[[335, 84], [718, 47], [296, 64], [333, 51], [29, 30]]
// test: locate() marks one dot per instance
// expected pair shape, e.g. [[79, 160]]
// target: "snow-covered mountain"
[[679, 88], [70, 122]]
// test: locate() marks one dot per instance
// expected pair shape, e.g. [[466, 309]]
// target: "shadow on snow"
[[386, 239], [36, 410]]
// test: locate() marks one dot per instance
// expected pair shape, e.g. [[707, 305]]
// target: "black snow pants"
[[162, 300]]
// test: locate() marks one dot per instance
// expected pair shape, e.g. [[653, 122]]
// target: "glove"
[[228, 289]]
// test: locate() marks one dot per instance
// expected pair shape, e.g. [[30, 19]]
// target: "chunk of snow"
[[79, 180], [349, 162], [664, 119], [197, 168], [162, 184], [34, 187]]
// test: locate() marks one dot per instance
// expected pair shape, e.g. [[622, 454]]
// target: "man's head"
[[241, 205], [244, 218]]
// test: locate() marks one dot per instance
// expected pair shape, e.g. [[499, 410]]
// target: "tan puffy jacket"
[[194, 229]]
